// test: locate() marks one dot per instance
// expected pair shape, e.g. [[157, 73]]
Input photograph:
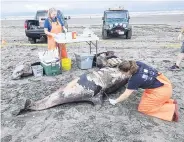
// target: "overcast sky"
[[13, 6]]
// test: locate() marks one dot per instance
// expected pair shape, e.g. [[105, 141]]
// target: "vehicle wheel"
[[33, 41], [129, 34], [104, 34], [46, 40]]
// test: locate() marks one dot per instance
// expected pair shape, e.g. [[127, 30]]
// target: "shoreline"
[[99, 15], [176, 19]]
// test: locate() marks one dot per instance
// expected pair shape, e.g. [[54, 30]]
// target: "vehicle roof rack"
[[118, 8]]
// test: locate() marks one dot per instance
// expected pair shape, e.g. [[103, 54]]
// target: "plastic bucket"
[[66, 64], [37, 70]]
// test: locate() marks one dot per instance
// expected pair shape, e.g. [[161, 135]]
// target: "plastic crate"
[[84, 60]]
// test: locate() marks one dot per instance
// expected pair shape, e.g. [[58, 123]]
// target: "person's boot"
[[174, 68], [175, 102], [176, 114]]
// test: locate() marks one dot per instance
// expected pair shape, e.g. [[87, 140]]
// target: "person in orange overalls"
[[52, 26], [156, 99]]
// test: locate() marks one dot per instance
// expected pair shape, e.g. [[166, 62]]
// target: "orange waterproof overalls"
[[156, 102], [56, 28]]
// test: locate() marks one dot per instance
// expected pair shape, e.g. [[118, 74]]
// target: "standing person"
[[156, 99], [52, 26], [176, 66]]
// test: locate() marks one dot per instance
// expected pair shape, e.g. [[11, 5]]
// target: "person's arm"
[[122, 97], [62, 24], [133, 84], [46, 26], [48, 33]]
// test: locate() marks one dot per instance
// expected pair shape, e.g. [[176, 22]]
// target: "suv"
[[34, 29], [116, 22]]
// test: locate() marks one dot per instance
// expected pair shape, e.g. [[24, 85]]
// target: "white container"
[[37, 70], [48, 56], [60, 36], [64, 36], [69, 35], [84, 60]]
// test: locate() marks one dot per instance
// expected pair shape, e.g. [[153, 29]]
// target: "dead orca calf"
[[88, 87]]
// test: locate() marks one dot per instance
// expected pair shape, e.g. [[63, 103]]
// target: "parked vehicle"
[[34, 29], [116, 22]]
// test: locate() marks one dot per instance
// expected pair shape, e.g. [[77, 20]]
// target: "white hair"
[[51, 10]]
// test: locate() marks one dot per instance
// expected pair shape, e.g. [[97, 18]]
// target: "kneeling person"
[[156, 99]]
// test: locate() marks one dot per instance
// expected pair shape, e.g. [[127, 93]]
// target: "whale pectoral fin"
[[97, 99], [25, 109], [27, 104]]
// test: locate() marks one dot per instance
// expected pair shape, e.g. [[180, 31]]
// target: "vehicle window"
[[118, 15], [41, 14]]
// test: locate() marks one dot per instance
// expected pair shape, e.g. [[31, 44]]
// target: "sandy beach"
[[154, 41]]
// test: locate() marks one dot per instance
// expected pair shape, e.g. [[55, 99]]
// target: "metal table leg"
[[90, 47], [96, 46], [96, 51]]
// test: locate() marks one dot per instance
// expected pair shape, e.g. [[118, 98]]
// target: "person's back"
[[144, 78]]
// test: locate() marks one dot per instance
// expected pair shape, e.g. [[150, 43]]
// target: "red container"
[[74, 34]]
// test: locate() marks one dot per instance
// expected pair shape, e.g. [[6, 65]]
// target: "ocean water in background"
[[132, 14]]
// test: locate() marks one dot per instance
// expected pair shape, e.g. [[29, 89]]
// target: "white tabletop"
[[78, 39]]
